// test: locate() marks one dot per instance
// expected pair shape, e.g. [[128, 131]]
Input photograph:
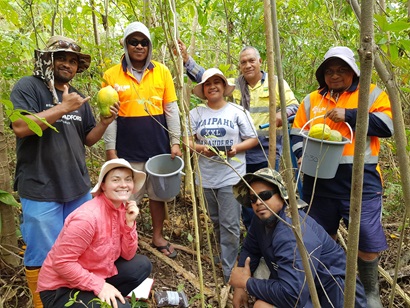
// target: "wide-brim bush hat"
[[59, 43], [241, 189], [340, 52], [138, 176], [199, 88]]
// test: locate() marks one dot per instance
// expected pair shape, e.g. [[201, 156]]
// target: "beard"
[[270, 222], [62, 78]]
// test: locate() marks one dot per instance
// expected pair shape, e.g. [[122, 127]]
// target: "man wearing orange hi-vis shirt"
[[335, 103]]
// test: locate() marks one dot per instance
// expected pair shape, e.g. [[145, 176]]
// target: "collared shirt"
[[259, 101], [380, 126], [286, 286], [93, 237], [141, 111]]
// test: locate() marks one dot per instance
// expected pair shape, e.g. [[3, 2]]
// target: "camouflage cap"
[[59, 43], [241, 189]]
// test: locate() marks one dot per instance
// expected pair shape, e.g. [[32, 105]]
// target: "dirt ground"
[[182, 274]]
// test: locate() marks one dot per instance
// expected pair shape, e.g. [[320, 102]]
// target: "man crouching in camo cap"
[[270, 236]]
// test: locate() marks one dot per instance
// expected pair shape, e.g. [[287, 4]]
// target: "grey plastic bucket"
[[165, 175], [321, 157]]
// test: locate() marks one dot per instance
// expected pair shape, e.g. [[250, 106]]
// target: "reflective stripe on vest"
[[369, 158]]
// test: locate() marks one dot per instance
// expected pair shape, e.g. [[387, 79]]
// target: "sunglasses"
[[65, 45], [135, 42], [263, 195]]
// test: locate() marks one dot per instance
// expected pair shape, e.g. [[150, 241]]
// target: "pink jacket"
[[93, 237]]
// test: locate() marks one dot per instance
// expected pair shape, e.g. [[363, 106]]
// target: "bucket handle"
[[322, 116]]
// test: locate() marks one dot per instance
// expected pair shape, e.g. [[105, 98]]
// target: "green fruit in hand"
[[106, 98], [335, 135], [320, 131]]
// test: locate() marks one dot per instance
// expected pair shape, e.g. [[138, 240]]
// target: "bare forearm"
[[95, 134], [246, 144], [21, 129]]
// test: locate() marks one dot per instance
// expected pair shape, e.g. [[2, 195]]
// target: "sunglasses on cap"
[[263, 195], [65, 45], [135, 42]]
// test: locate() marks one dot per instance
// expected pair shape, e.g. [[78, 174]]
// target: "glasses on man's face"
[[135, 42], [65, 45], [340, 71], [263, 195]]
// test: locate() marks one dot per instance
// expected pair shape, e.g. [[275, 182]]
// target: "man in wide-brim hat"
[[51, 173]]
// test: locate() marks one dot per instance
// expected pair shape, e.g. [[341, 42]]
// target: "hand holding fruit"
[[107, 97], [113, 111]]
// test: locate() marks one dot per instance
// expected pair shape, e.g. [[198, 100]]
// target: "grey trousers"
[[225, 213]]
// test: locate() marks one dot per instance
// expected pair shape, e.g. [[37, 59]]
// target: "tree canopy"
[[215, 30]]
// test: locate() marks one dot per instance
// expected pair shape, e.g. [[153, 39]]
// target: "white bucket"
[[321, 157], [165, 175]]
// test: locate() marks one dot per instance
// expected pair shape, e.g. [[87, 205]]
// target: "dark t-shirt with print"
[[51, 167]]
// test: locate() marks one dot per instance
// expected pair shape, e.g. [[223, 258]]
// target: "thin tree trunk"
[[97, 39], [272, 82], [188, 167], [366, 65], [388, 78], [8, 236], [272, 43], [228, 33]]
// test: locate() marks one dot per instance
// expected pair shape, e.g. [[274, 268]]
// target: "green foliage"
[[307, 30], [180, 287], [395, 200], [135, 303], [190, 237], [72, 300], [16, 114], [7, 198]]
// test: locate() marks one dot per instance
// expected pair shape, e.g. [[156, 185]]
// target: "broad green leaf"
[[398, 26], [7, 103], [202, 18], [67, 24], [33, 126], [191, 9], [7, 10], [381, 22], [7, 198], [224, 68], [405, 44], [394, 52]]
